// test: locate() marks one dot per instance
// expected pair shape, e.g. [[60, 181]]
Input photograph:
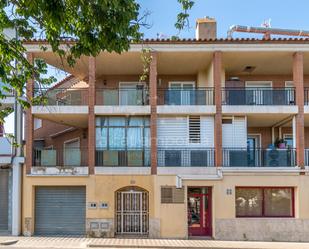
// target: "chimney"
[[206, 28]]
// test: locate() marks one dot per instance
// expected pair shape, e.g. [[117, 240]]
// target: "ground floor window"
[[264, 202]]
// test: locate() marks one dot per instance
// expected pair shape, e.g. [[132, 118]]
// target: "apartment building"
[[214, 143]]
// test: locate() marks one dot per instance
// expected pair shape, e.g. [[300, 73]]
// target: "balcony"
[[186, 101], [60, 157], [5, 146], [306, 96], [9, 99], [260, 97], [243, 157], [5, 150], [123, 158], [196, 96], [189, 157], [122, 101], [307, 157], [68, 106], [62, 96], [122, 96]]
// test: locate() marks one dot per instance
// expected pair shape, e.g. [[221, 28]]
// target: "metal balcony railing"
[[306, 157], [62, 96], [244, 157], [60, 157], [122, 96], [189, 157], [256, 96], [123, 158], [306, 96], [197, 96]]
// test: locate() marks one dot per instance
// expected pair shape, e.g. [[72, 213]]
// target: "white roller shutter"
[[207, 131], [172, 132], [234, 134], [240, 132], [227, 133]]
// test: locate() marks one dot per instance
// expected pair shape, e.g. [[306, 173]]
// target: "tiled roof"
[[200, 41], [66, 79]]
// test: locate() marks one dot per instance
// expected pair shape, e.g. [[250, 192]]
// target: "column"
[[91, 115], [29, 121], [17, 171], [298, 80], [153, 112], [217, 70]]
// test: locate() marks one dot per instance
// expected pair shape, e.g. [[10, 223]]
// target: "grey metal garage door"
[[4, 200], [60, 210]]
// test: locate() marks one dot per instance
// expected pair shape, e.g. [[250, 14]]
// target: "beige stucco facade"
[[170, 220], [216, 65]]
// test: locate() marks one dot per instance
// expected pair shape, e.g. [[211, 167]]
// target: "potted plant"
[[280, 143]]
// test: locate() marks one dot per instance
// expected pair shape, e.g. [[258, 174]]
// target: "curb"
[[8, 242], [169, 246]]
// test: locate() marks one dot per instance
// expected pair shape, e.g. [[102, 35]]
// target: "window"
[[180, 93], [121, 133], [264, 202], [288, 138], [122, 141], [37, 123], [194, 129]]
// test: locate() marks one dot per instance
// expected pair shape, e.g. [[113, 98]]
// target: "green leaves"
[[183, 16], [146, 60], [94, 25]]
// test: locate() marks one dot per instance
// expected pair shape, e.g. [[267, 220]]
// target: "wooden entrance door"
[[199, 211]]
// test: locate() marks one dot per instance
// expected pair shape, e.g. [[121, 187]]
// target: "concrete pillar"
[[217, 69], [29, 121], [18, 161], [91, 115], [298, 80], [153, 112], [16, 195]]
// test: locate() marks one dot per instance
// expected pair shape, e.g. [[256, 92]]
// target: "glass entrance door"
[[199, 211], [253, 150], [259, 93]]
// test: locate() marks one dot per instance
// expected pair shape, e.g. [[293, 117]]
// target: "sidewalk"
[[67, 242]]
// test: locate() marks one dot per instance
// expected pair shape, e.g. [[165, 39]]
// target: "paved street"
[[77, 243]]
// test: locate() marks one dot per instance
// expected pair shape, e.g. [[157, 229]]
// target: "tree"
[[95, 25]]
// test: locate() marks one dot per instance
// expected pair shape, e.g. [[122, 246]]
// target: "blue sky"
[[283, 14]]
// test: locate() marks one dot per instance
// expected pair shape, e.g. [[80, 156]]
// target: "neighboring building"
[[11, 162], [215, 143]]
